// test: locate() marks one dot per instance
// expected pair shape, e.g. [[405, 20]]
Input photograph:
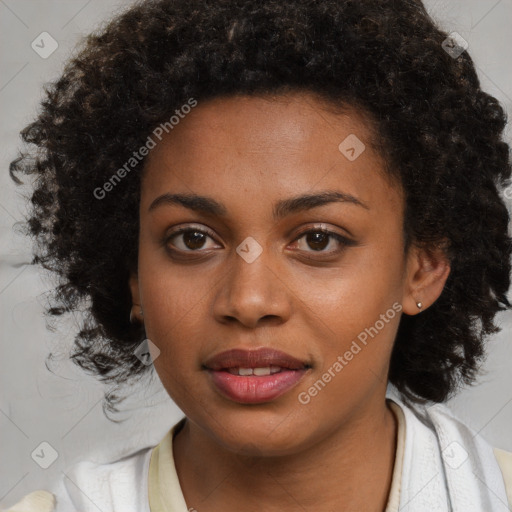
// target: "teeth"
[[259, 372], [262, 371]]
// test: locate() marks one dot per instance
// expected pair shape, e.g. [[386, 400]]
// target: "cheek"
[[176, 305], [353, 295], [356, 312], [358, 323], [355, 322], [175, 312]]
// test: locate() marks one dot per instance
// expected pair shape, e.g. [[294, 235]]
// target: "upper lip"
[[259, 358]]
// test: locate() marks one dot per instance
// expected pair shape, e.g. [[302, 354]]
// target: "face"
[[278, 239]]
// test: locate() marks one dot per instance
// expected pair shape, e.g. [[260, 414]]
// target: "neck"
[[351, 466]]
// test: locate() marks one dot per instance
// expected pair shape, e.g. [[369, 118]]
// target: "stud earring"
[[419, 304]]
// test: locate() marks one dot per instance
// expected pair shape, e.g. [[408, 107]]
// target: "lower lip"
[[253, 389]]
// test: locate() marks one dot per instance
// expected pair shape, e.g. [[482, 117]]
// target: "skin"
[[248, 153]]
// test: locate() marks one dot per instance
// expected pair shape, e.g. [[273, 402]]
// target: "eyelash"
[[343, 241]]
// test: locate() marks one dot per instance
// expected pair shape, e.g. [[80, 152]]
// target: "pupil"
[[315, 240], [193, 239]]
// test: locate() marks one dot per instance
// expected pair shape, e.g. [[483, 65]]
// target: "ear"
[[134, 288], [426, 274]]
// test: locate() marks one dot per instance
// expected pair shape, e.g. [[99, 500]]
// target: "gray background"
[[64, 408]]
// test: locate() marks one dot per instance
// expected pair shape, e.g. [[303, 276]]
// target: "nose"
[[252, 292]]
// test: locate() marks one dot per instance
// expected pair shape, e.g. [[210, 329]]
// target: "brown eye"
[[188, 239], [317, 240]]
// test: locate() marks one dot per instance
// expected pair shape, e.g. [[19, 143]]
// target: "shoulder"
[[468, 442], [118, 486], [488, 469], [505, 462], [37, 501]]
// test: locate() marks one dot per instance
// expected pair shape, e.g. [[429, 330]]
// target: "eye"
[[318, 239], [190, 239]]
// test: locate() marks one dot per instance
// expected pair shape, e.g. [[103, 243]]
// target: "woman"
[[292, 210]]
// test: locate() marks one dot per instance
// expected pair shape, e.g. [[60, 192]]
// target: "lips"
[[254, 376], [260, 358]]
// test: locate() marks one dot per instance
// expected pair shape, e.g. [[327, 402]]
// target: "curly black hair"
[[440, 134]]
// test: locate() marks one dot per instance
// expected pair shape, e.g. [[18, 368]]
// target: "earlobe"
[[427, 272]]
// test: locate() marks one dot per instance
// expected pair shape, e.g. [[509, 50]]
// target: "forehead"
[[266, 145], [261, 122]]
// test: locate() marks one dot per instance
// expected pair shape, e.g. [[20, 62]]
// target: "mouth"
[[254, 376]]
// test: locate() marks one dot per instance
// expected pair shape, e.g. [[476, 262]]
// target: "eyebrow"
[[282, 208]]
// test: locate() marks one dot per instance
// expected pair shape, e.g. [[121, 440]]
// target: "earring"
[[419, 304]]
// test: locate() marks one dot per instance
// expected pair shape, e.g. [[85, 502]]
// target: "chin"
[[261, 434]]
